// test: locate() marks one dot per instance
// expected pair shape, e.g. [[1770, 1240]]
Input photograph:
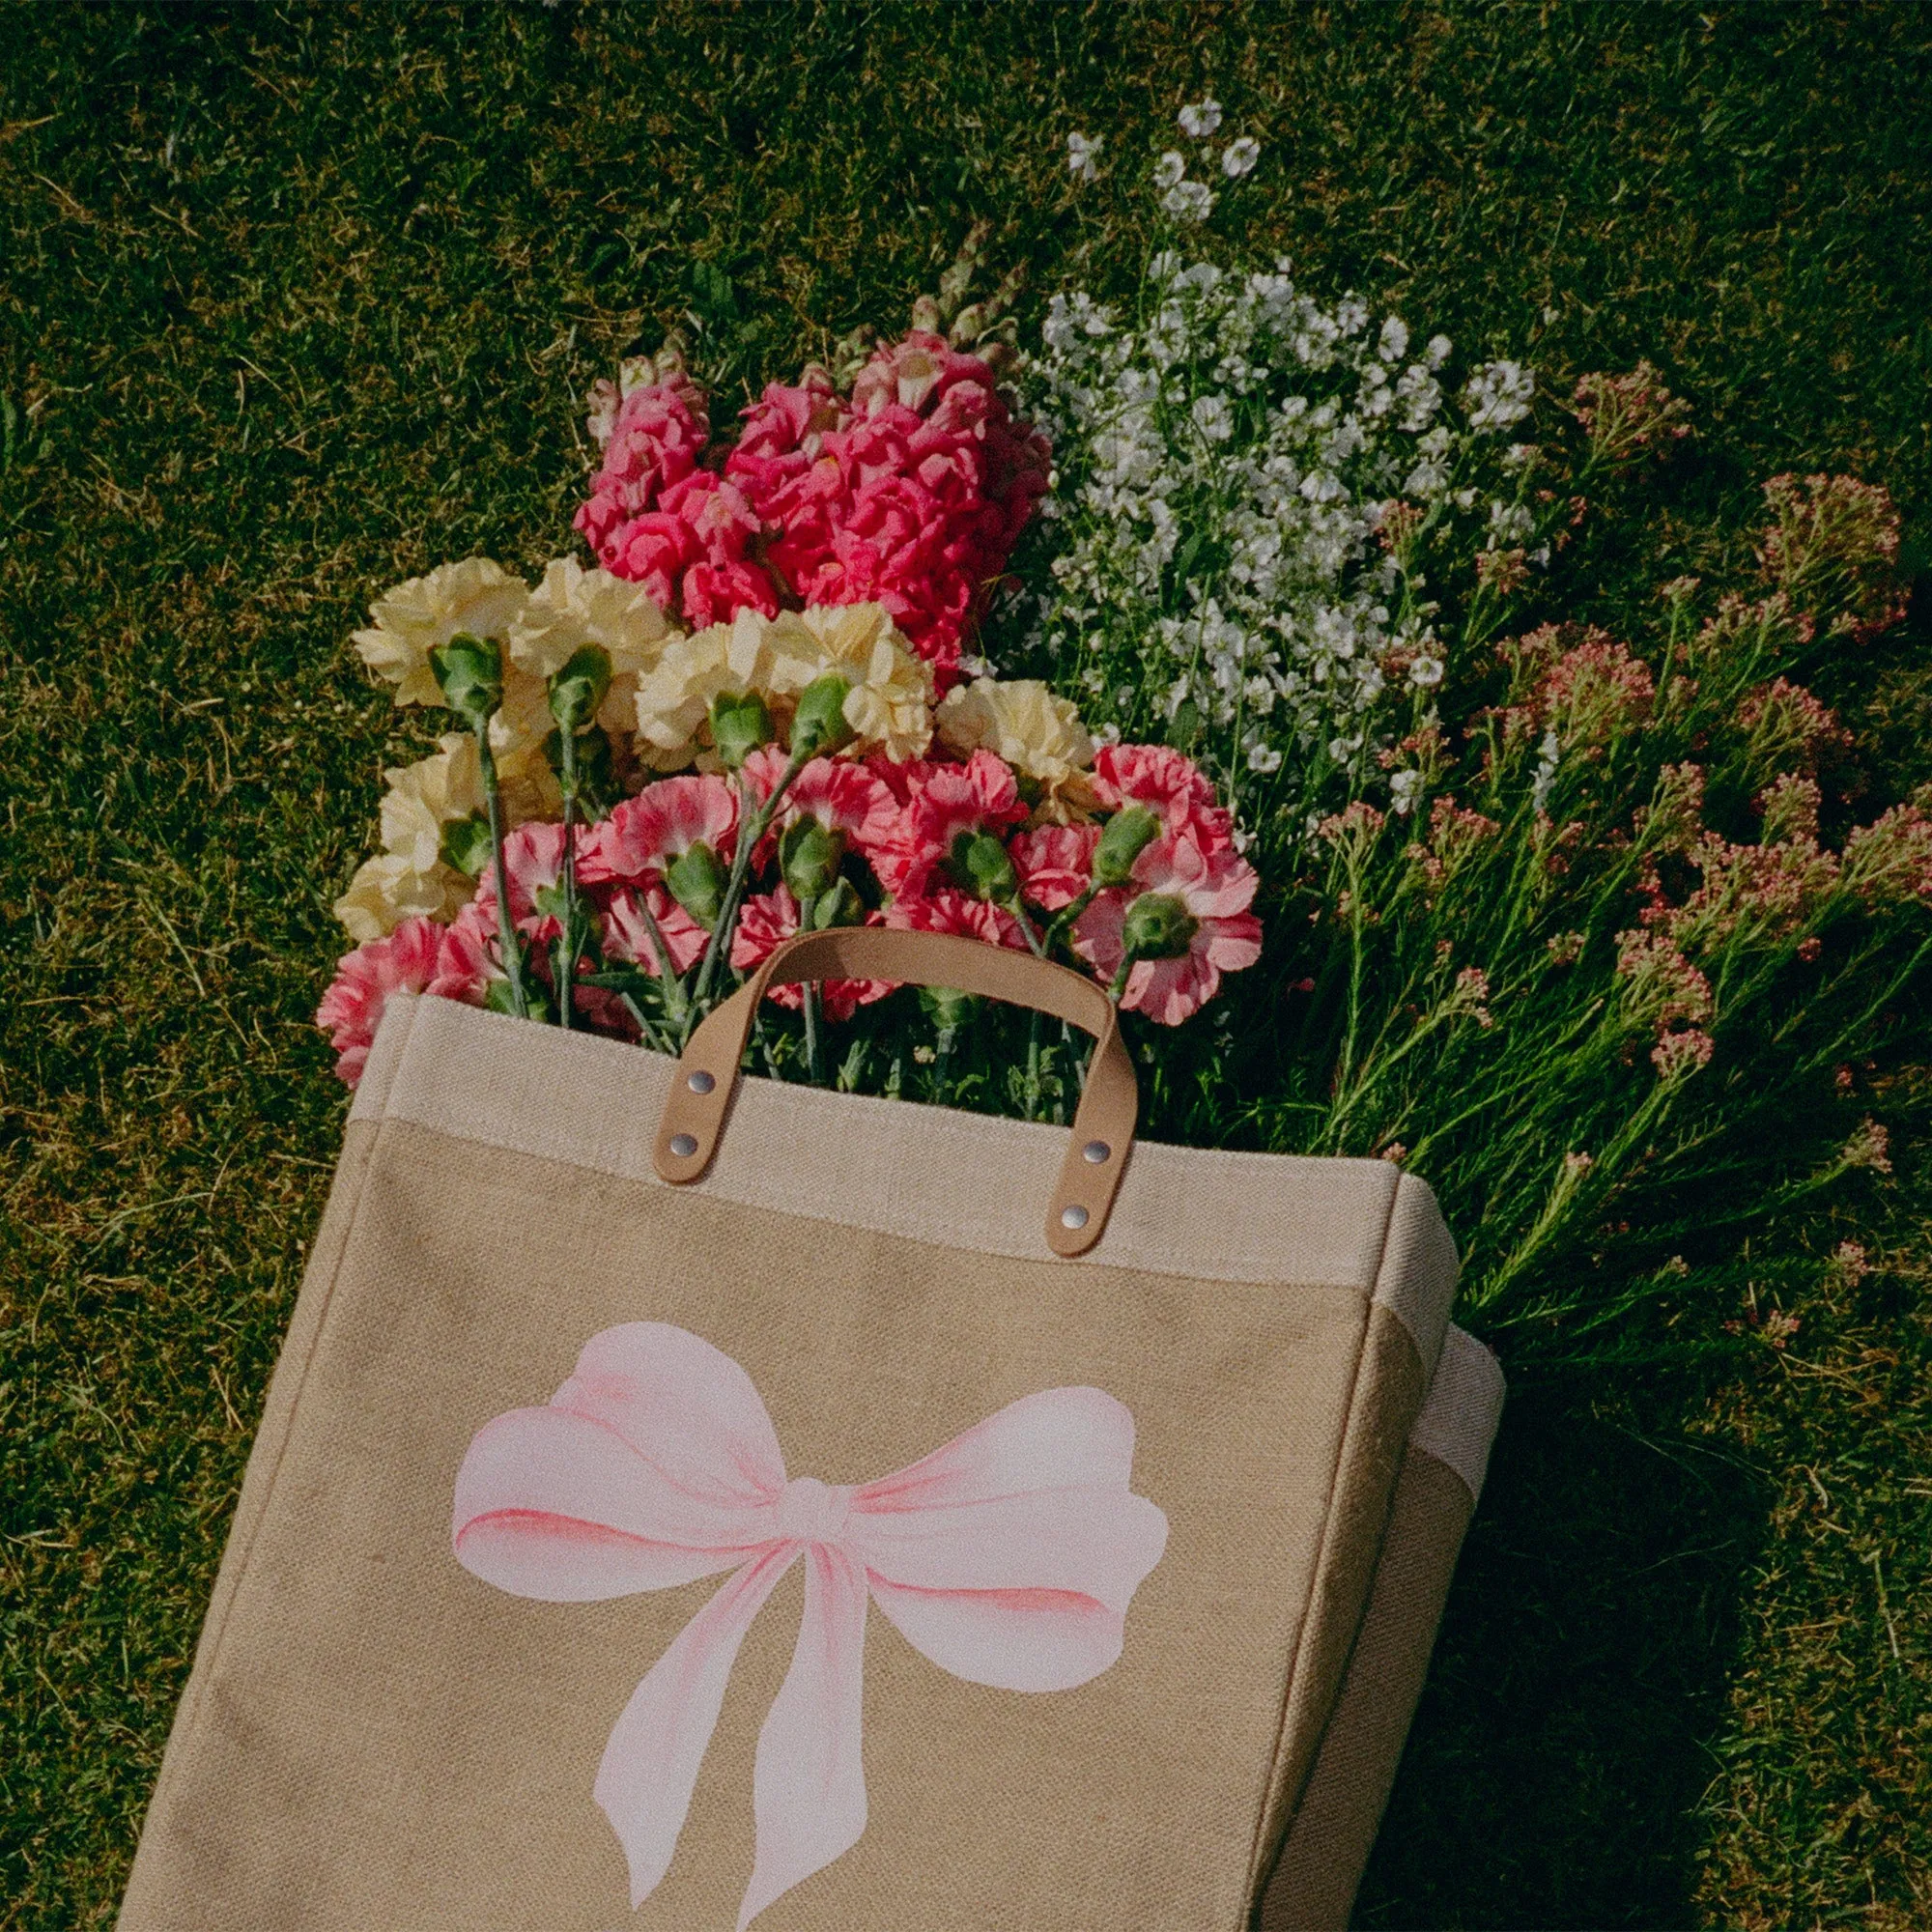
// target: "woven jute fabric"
[[372, 1737], [1327, 1846]]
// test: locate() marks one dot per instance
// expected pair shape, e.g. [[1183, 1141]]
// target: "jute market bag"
[[1313, 1888], [682, 1499]]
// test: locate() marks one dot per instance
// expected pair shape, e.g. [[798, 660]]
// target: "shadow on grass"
[[1554, 1772]]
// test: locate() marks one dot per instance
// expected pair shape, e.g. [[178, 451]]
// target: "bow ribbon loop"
[[1008, 1556]]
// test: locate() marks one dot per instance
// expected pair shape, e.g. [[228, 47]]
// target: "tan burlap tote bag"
[[1334, 1826], [685, 1500]]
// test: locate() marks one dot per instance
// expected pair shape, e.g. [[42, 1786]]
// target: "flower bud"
[[466, 844], [578, 687], [470, 673], [841, 905], [948, 1010], [697, 882], [1158, 926], [819, 726], [808, 858], [739, 724], [1122, 840], [984, 866]]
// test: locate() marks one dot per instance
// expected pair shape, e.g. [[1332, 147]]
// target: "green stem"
[[506, 926], [751, 828], [566, 956]]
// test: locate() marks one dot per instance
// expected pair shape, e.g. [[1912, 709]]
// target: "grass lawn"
[[297, 302]]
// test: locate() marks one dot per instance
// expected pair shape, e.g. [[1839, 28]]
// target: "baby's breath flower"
[[1498, 395], [1239, 156], [1200, 117], [1171, 168], [1189, 201], [1083, 155]]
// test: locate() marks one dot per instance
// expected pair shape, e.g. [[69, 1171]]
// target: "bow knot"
[[811, 1512], [1007, 1558]]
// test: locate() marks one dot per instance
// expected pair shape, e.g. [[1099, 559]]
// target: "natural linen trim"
[[1459, 1420], [926, 1174]]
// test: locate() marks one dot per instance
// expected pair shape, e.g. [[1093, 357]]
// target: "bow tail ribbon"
[[809, 1785]]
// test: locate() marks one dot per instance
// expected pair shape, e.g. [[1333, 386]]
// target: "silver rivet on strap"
[[1074, 1216], [684, 1145], [1096, 1152], [700, 1082]]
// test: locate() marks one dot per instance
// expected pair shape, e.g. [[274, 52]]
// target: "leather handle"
[[1103, 1126]]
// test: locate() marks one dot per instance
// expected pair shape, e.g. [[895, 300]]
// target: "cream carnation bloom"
[[1039, 735], [674, 697], [475, 595], [574, 607], [889, 705], [388, 889]]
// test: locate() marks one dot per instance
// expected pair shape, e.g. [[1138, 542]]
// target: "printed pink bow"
[[1009, 1557]]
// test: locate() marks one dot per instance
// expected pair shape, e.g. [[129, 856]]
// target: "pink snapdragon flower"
[[351, 1009], [767, 921], [1166, 783], [646, 833], [656, 441], [1205, 899]]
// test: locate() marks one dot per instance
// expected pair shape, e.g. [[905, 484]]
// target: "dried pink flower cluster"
[[1628, 416], [1835, 542], [910, 493]]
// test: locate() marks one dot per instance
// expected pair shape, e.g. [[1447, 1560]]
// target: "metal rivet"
[[684, 1147], [1095, 1153], [1073, 1217], [700, 1082]]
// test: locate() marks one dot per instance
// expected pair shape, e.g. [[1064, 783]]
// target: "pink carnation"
[[1166, 783], [351, 1009], [956, 912], [842, 796], [766, 922], [467, 966], [627, 934], [1216, 889], [942, 802], [646, 833], [1055, 864], [533, 864]]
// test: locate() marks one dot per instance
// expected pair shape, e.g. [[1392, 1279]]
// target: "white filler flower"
[[1199, 118], [1083, 155], [1241, 157]]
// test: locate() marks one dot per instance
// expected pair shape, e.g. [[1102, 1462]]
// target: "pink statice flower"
[[404, 962], [1055, 864], [1166, 783], [646, 833], [1203, 898], [768, 920]]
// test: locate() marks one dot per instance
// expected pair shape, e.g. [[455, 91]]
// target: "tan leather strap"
[[1103, 1127]]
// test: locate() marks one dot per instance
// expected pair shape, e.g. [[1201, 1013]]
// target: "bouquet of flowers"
[[1577, 917], [756, 716]]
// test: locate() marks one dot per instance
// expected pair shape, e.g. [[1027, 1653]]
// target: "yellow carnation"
[[889, 705], [389, 889], [1039, 735], [574, 607], [475, 595], [424, 797], [674, 697]]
